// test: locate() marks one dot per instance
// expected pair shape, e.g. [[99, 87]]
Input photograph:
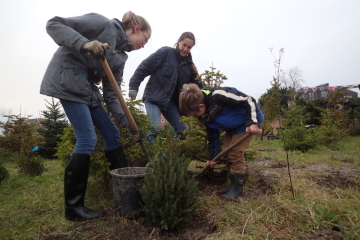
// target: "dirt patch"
[[325, 234], [264, 174], [333, 177], [110, 227], [210, 181]]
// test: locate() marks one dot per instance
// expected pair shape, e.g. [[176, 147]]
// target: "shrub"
[[334, 126], [169, 194], [4, 174], [251, 154], [31, 164], [299, 138]]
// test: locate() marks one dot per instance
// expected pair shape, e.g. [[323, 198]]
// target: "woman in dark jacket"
[[169, 68], [72, 76]]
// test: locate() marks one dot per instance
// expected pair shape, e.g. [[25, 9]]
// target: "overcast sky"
[[320, 37]]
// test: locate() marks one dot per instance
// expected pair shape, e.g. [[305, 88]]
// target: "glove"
[[94, 48], [137, 135], [132, 94]]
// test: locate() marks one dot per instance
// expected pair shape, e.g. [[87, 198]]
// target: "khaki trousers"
[[235, 159]]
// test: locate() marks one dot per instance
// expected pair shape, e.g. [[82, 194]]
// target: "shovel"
[[225, 151], [121, 99]]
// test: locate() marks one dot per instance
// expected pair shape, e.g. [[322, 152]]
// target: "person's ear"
[[136, 29], [201, 105]]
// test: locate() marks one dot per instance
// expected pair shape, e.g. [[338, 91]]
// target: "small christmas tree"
[[53, 128], [169, 194]]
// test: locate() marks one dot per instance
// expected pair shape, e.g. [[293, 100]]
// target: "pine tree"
[[52, 128], [212, 78], [169, 194], [10, 143], [19, 139]]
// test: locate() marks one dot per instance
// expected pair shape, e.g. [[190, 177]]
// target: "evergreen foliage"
[[30, 163], [294, 133], [251, 154], [313, 108], [194, 146], [299, 138], [133, 152], [66, 145], [169, 193], [4, 173], [334, 126], [212, 78], [19, 139], [270, 106], [53, 128], [10, 143], [296, 116]]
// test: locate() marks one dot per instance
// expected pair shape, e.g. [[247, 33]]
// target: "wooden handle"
[[118, 93], [226, 150], [121, 99]]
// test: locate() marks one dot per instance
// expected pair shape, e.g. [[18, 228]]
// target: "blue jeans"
[[172, 115], [83, 118]]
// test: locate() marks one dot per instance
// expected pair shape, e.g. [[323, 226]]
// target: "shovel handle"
[[225, 151], [121, 99]]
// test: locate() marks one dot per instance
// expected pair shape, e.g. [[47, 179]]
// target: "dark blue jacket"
[[168, 70], [229, 110]]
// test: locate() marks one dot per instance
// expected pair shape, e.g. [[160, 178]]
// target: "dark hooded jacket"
[[72, 75], [229, 110], [168, 71]]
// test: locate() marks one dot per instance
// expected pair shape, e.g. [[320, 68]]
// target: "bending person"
[[72, 76]]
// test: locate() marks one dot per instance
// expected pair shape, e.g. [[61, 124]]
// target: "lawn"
[[324, 203]]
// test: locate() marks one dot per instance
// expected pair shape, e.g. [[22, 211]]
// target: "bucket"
[[126, 184]]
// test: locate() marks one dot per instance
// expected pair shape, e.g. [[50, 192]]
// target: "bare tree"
[[5, 112], [277, 63], [292, 78]]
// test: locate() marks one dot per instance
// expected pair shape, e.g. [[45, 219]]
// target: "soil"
[[264, 173]]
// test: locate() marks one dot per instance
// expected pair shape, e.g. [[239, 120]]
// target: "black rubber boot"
[[75, 182], [116, 158], [223, 190], [236, 187], [226, 189]]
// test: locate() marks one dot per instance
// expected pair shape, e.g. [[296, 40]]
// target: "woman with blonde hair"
[[72, 77]]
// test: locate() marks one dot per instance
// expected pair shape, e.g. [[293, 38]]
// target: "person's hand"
[[94, 48], [210, 163], [132, 94], [135, 135], [253, 129]]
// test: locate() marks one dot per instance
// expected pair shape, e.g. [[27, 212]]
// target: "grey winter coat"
[[168, 73], [72, 75]]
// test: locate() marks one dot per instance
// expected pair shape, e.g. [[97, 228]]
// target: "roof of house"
[[36, 121]]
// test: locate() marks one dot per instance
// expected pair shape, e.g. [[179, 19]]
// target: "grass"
[[31, 207]]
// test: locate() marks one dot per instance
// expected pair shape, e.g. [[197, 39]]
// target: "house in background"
[[36, 121], [322, 91]]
